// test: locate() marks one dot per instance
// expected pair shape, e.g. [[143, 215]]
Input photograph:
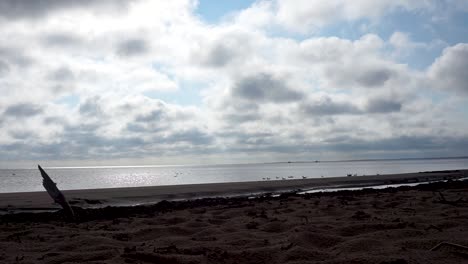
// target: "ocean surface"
[[26, 180]]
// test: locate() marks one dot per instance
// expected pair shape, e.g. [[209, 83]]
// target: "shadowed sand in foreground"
[[397, 225]]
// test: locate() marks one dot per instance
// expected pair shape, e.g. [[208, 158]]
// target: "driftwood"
[[55, 193], [456, 249], [448, 244], [443, 200]]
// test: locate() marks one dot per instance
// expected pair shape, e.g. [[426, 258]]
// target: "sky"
[[137, 82]]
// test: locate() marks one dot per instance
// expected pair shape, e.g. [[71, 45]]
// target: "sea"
[[71, 178]]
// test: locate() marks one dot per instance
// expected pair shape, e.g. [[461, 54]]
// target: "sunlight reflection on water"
[[21, 180]]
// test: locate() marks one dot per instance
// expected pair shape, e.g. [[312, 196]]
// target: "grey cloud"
[[85, 141], [19, 9], [23, 110], [4, 68], [374, 78], [82, 138], [15, 56], [155, 120], [193, 136], [137, 128], [21, 135], [382, 105], [61, 39], [327, 106], [410, 146], [155, 115], [243, 141], [338, 139], [219, 56], [242, 117], [61, 88], [91, 107], [241, 112], [61, 74], [79, 129], [227, 48], [55, 120], [401, 143], [77, 146], [265, 87], [236, 141], [132, 47], [255, 139], [364, 76], [160, 117], [152, 126]]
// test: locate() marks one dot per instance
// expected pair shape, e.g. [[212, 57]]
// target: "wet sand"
[[397, 225], [154, 194]]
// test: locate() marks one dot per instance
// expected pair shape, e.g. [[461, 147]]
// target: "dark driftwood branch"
[[443, 200], [452, 245], [55, 193]]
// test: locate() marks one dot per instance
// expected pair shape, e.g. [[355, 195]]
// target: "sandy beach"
[[397, 225], [154, 194]]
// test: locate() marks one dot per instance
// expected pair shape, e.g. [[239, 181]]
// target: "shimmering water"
[[24, 180]]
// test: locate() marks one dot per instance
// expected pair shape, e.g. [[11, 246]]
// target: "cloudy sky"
[[96, 82]]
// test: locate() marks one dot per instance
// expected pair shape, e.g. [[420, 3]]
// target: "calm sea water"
[[25, 180]]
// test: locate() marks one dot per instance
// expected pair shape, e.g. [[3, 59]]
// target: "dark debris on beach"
[[113, 212]]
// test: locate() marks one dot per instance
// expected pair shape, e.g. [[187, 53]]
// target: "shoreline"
[[92, 198]]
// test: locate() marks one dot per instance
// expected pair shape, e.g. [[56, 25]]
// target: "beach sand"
[[398, 225], [154, 194]]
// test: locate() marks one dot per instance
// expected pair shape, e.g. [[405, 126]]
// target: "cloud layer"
[[152, 81]]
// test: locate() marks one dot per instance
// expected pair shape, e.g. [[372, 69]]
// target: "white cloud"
[[80, 84], [306, 16], [401, 40], [404, 46], [341, 64], [449, 71], [259, 15]]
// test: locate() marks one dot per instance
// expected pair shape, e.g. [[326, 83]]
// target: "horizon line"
[[247, 163]]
